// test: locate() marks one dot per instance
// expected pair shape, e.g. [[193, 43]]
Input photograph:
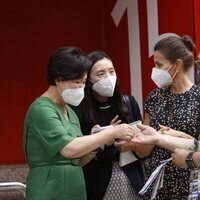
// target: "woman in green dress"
[[53, 143]]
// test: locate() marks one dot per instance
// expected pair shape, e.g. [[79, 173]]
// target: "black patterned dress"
[[180, 112]]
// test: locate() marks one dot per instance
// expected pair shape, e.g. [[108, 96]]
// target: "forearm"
[[171, 142], [143, 150], [83, 145]]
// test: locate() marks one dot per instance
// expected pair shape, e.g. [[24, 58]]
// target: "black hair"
[[85, 109], [174, 47], [67, 63]]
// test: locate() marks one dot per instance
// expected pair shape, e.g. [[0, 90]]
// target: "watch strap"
[[189, 160]]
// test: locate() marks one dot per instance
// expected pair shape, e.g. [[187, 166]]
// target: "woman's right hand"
[[123, 132], [148, 135], [87, 158], [169, 131]]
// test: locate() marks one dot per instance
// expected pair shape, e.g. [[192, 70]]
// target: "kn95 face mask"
[[106, 86], [73, 96], [161, 77]]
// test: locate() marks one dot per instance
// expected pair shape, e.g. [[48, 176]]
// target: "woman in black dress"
[[176, 104], [103, 105]]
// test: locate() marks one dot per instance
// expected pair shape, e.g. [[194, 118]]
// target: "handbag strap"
[[128, 103]]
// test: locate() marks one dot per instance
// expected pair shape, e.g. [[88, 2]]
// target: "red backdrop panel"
[[197, 24], [30, 31]]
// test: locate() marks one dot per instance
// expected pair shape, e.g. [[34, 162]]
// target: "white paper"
[[97, 129], [158, 183], [157, 176], [126, 158], [135, 128]]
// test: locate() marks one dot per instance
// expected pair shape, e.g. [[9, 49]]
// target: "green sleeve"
[[51, 130]]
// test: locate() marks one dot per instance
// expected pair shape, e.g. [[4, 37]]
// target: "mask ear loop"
[[169, 68], [60, 89], [67, 85], [174, 73], [91, 81]]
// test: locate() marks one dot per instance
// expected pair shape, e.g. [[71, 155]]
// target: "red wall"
[[197, 25], [30, 30]]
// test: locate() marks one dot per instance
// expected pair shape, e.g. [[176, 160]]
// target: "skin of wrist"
[[113, 132], [110, 132], [158, 139]]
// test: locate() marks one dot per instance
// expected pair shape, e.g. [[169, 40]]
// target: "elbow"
[[142, 155], [70, 152]]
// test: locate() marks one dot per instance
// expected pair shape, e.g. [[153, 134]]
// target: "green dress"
[[46, 132]]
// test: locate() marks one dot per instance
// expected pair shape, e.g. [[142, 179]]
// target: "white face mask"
[[105, 87], [73, 96], [161, 77]]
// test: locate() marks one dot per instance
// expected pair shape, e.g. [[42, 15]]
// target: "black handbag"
[[135, 171]]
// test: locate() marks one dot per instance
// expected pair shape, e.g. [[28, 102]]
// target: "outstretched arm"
[[144, 149], [168, 131], [150, 136], [85, 144]]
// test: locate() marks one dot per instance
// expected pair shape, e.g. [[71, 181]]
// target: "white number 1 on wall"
[[134, 38]]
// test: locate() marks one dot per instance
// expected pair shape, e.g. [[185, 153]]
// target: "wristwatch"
[[189, 160]]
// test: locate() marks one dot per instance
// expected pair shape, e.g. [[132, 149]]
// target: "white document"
[[128, 157], [134, 126], [97, 129], [157, 176]]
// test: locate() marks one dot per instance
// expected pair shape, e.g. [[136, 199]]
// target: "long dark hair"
[[85, 109]]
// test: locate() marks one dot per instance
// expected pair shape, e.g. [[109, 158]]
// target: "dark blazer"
[[98, 172]]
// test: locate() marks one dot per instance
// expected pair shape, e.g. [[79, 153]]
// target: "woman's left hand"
[[115, 121], [179, 156], [124, 146], [148, 135], [169, 131], [87, 158]]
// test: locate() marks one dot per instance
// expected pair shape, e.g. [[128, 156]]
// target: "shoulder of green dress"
[[41, 106], [72, 114]]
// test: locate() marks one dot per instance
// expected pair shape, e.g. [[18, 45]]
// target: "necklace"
[[104, 107]]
